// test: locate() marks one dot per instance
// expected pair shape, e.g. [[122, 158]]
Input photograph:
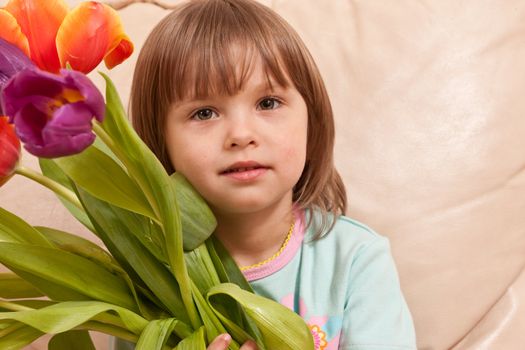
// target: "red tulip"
[[56, 37], [9, 150]]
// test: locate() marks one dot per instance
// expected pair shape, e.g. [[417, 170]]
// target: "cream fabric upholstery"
[[428, 98]]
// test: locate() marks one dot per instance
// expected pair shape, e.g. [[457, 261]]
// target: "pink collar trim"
[[286, 256]]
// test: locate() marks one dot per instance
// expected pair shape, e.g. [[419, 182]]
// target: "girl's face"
[[243, 153]]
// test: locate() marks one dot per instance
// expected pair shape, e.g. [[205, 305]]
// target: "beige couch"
[[428, 97]]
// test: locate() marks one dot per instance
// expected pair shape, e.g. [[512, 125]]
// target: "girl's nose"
[[241, 133]]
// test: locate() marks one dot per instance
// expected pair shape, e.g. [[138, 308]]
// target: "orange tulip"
[[82, 38], [11, 32], [96, 29], [39, 20]]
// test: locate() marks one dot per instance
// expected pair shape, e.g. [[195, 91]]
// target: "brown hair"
[[191, 53]]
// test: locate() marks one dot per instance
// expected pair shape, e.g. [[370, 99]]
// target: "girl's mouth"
[[244, 171], [238, 170]]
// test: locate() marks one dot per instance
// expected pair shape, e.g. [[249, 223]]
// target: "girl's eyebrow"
[[191, 100], [269, 86], [266, 85], [187, 104]]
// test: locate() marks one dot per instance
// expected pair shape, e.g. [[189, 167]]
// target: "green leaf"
[[67, 315], [196, 341], [197, 219], [18, 336], [28, 303], [156, 334], [98, 174], [228, 271], [201, 269], [69, 270], [100, 145], [225, 266], [218, 321], [50, 169], [14, 229], [52, 290], [128, 273], [89, 250], [78, 340], [211, 322], [14, 287], [143, 228], [79, 246], [5, 324], [203, 274], [111, 222], [280, 327]]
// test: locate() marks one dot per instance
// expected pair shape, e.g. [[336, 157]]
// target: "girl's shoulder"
[[347, 243], [345, 224], [346, 231]]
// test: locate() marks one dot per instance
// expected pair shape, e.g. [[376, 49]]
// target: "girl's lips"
[[245, 174], [244, 171]]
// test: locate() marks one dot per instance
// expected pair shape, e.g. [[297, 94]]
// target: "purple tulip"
[[12, 61], [53, 113]]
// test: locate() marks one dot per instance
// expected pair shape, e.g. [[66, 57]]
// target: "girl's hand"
[[223, 340]]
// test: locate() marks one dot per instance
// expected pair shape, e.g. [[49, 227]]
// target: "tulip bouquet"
[[162, 280]]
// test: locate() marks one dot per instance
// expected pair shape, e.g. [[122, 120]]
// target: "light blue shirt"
[[345, 286]]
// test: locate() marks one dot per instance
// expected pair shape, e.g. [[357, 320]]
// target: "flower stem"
[[13, 307], [97, 128], [54, 186]]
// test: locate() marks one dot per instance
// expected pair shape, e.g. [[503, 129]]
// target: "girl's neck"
[[254, 237]]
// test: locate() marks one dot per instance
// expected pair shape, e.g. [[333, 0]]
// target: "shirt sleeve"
[[376, 316]]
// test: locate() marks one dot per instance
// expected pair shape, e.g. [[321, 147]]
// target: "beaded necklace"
[[273, 257]]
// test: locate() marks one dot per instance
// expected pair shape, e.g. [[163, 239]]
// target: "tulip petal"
[[12, 60], [121, 46], [11, 32], [121, 52], [29, 125], [62, 136], [9, 150], [69, 132], [92, 96], [40, 20], [30, 87], [89, 33], [40, 89], [53, 113]]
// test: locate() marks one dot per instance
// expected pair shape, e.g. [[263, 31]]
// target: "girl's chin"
[[258, 204]]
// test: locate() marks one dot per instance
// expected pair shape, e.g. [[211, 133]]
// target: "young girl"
[[227, 94]]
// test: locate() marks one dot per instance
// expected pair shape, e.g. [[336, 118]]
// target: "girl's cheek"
[[291, 153], [294, 155]]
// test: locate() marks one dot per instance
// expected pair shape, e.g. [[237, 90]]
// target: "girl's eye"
[[203, 114], [269, 103]]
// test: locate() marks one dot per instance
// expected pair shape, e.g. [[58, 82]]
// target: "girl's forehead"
[[258, 82], [233, 72]]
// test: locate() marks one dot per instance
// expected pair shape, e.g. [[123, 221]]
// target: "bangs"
[[215, 54], [224, 75]]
